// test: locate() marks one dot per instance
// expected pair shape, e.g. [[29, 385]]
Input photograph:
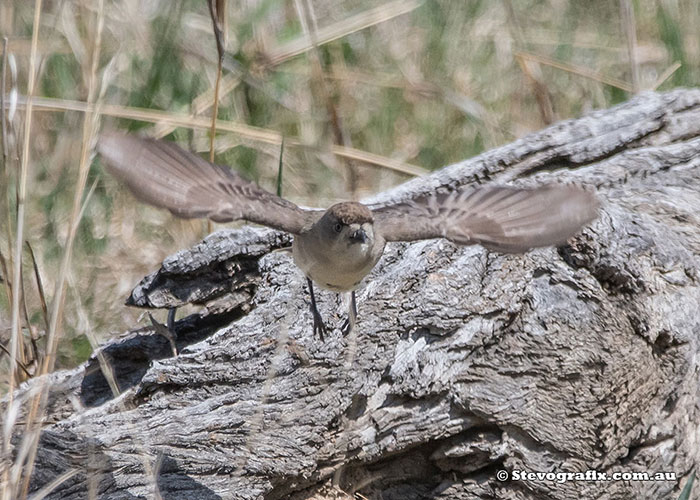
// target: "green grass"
[[688, 488]]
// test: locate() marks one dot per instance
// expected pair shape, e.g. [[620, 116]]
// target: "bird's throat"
[[336, 266]]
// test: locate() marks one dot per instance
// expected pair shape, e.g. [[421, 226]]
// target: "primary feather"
[[505, 219], [163, 174]]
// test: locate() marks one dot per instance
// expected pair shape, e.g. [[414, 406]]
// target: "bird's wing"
[[163, 174], [504, 219]]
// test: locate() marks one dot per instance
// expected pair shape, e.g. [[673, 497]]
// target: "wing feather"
[[505, 219], [163, 174]]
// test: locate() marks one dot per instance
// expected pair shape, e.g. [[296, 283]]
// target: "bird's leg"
[[319, 327], [349, 324], [171, 319], [166, 332]]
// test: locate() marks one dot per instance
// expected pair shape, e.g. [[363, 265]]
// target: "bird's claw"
[[350, 321], [319, 326]]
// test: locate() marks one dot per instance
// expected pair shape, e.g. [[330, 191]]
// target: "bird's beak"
[[359, 236]]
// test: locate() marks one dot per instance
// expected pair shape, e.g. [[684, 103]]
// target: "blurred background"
[[365, 94]]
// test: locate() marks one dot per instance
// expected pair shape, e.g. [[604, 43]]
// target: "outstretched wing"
[[163, 174], [504, 219]]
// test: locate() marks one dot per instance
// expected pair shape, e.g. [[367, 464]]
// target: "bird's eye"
[[338, 227]]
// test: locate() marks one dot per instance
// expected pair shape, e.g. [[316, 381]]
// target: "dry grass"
[[363, 95]]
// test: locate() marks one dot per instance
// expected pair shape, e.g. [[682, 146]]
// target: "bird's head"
[[349, 224]]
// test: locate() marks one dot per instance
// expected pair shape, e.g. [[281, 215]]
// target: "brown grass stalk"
[[246, 131], [666, 75], [19, 363], [4, 173], [343, 28], [7, 281], [22, 355], [214, 112], [540, 90], [21, 195], [630, 28], [3, 124], [217, 10], [39, 287], [577, 70], [54, 332]]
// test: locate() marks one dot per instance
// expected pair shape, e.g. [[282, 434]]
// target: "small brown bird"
[[338, 247]]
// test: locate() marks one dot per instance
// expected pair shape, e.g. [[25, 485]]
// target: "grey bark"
[[464, 361]]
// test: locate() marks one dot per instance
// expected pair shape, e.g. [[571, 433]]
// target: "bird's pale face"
[[340, 249], [351, 241]]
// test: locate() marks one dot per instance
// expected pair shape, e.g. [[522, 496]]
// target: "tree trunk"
[[464, 362]]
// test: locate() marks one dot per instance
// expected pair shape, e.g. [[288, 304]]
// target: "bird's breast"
[[339, 268]]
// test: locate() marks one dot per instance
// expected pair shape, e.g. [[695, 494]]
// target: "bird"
[[337, 248]]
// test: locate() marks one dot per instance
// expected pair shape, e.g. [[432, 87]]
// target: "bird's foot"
[[345, 327], [166, 331], [348, 325], [350, 321], [319, 326]]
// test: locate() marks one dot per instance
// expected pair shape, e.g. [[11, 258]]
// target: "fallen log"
[[464, 362]]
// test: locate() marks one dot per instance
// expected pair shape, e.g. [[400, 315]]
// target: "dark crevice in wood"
[[131, 357]]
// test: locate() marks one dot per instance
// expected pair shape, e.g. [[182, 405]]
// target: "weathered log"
[[464, 361]]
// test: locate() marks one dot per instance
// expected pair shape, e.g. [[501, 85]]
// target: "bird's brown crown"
[[349, 212]]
